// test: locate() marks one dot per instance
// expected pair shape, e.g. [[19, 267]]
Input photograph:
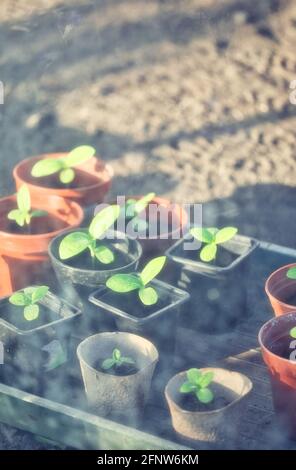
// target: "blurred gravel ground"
[[189, 98]]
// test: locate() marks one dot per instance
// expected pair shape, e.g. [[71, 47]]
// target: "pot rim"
[[39, 236], [183, 296], [76, 312], [75, 269], [275, 320], [191, 265], [268, 282], [113, 334], [106, 167], [211, 412]]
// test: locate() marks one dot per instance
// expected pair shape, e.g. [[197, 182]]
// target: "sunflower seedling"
[[212, 237], [116, 360], [23, 214], [63, 166], [123, 283], [133, 209], [197, 383], [77, 242], [28, 299]]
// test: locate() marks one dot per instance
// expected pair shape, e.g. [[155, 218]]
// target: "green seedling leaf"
[[38, 213], [18, 299], [116, 360], [103, 221], [31, 312], [23, 199], [124, 283], [197, 383], [208, 252], [108, 364], [206, 379], [130, 208], [194, 376], [74, 244], [67, 175], [204, 235], [187, 387], [291, 273], [204, 395], [142, 203], [47, 167], [293, 332], [104, 254], [18, 216], [39, 293], [79, 155], [116, 355], [148, 296], [225, 234], [28, 299], [152, 269]]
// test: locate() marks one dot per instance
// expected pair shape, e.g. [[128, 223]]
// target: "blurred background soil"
[[187, 98]]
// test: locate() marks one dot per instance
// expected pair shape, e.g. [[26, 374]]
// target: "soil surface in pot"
[[15, 316], [223, 258], [81, 180], [281, 347], [130, 303], [290, 300], [38, 226], [123, 370], [222, 398], [85, 261]]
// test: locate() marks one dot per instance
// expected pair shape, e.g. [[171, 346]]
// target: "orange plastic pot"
[[279, 289], [177, 218], [274, 338], [91, 184], [23, 257]]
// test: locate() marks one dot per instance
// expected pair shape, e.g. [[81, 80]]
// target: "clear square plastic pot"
[[218, 292]]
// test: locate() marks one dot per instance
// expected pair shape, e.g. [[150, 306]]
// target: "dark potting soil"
[[121, 371], [222, 398], [15, 316], [223, 258], [38, 226], [85, 261], [130, 303], [281, 347]]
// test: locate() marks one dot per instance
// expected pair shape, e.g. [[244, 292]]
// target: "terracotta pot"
[[280, 289], [177, 218], [23, 258], [282, 372], [217, 426], [113, 395], [92, 181]]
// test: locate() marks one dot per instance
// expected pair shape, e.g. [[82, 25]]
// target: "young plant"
[[64, 165], [212, 237], [197, 383], [23, 214], [77, 242], [116, 360], [28, 299], [133, 208], [123, 283]]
